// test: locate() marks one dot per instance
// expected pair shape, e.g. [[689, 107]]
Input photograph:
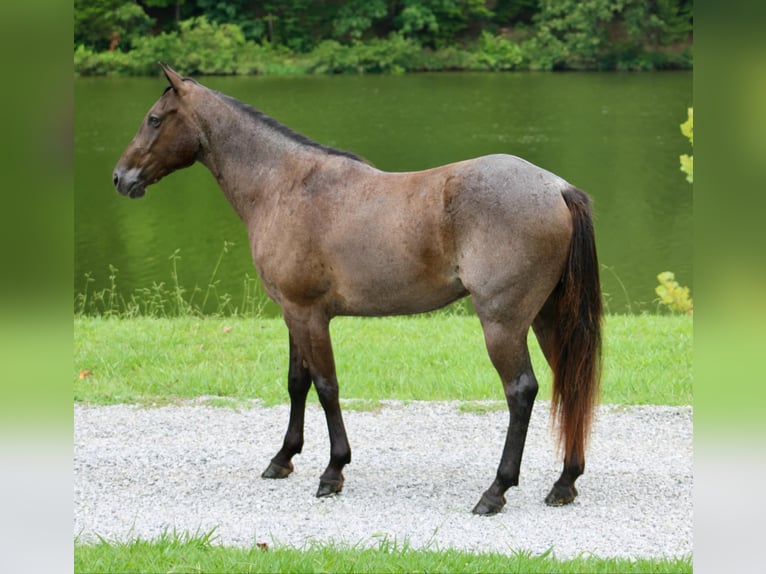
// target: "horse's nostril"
[[115, 178]]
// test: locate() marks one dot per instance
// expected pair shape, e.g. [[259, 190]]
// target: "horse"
[[331, 235]]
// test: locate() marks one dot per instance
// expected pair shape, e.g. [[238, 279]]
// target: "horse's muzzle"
[[129, 182]]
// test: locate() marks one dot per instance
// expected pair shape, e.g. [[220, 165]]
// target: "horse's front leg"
[[298, 384], [312, 337]]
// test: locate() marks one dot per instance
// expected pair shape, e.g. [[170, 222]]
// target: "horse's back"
[[507, 182]]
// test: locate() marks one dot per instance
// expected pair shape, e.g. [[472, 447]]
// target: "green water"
[[614, 135]]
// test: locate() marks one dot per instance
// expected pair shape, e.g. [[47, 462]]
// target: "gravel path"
[[417, 471]]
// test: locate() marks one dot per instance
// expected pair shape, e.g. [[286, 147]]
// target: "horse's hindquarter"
[[512, 230]]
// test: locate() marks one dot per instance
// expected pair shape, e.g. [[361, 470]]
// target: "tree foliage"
[[598, 33], [497, 34], [356, 18], [104, 24]]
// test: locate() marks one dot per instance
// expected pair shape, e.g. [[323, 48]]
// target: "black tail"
[[576, 349]]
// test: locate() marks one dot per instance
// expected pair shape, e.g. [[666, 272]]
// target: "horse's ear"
[[175, 79]]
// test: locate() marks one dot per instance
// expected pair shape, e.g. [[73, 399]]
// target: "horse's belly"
[[396, 295]]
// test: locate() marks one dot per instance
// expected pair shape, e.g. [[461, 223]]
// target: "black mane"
[[287, 132]]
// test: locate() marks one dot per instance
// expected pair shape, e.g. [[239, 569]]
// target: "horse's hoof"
[[277, 470], [560, 495], [328, 487], [489, 505]]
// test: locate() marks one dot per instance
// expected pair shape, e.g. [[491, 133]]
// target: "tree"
[[675, 20], [512, 12], [547, 34], [105, 24], [243, 13], [357, 16], [174, 5], [436, 22], [571, 31], [299, 24]]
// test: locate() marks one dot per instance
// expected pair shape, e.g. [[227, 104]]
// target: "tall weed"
[[171, 299]]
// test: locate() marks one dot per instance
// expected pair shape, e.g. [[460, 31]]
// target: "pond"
[[614, 135]]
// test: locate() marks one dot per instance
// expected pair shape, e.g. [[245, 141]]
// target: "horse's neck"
[[251, 161]]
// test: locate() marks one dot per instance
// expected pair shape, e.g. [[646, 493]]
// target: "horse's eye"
[[154, 121]]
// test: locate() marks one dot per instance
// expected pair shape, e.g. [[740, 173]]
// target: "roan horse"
[[332, 235]]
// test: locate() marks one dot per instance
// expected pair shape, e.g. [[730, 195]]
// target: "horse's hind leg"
[[298, 384], [563, 491], [507, 348]]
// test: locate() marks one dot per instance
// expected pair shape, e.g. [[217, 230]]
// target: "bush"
[[633, 57], [496, 53], [331, 57], [165, 47], [90, 63], [449, 58], [391, 55], [199, 47], [269, 59], [672, 295], [543, 52]]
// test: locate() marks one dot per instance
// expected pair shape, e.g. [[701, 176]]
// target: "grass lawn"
[[647, 360], [173, 553]]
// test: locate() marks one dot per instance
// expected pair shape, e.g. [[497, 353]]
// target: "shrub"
[[268, 58], [543, 52], [90, 63], [390, 55], [165, 47], [199, 47], [672, 295], [331, 57], [496, 53], [448, 58]]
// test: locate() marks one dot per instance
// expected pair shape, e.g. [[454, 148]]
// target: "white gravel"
[[417, 471]]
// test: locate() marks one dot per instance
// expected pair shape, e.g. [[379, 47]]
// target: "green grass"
[[174, 553], [647, 360]]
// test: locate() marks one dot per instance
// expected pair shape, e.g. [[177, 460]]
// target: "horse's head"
[[167, 140]]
